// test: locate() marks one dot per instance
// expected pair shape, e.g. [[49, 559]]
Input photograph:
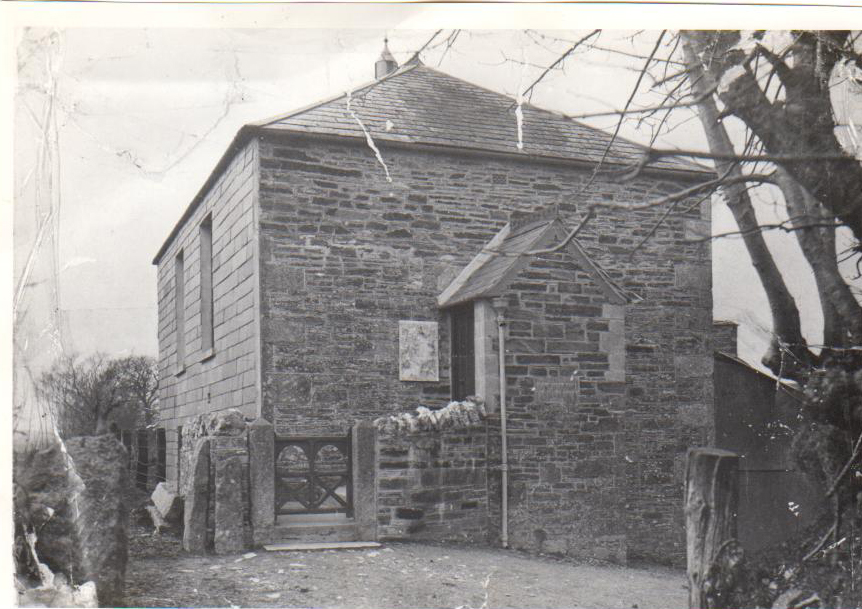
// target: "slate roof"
[[419, 104], [499, 262]]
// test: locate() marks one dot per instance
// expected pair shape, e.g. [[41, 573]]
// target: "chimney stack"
[[724, 337], [386, 64]]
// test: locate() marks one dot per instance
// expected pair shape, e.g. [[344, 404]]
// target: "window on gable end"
[[206, 286], [180, 311]]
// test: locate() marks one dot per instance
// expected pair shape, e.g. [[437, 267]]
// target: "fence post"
[[711, 502]]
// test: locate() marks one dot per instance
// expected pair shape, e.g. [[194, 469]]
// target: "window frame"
[[180, 311], [207, 310]]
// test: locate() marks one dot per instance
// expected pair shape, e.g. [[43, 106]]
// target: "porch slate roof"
[[499, 262], [418, 104]]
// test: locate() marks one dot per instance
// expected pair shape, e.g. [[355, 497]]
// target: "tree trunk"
[[785, 314], [842, 315], [711, 500], [790, 127]]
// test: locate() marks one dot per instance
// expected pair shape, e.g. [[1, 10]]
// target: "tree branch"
[[558, 61], [855, 455]]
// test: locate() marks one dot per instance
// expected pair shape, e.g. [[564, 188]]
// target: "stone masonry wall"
[[226, 432], [432, 483], [565, 401], [227, 377], [345, 255]]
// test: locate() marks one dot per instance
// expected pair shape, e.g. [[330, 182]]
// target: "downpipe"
[[504, 461]]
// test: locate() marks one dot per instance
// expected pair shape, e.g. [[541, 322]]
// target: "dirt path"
[[397, 575]]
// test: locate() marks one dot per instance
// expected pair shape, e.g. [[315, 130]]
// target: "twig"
[[846, 468], [422, 48], [657, 153], [559, 60], [572, 234], [549, 250], [450, 40], [631, 97], [820, 543]]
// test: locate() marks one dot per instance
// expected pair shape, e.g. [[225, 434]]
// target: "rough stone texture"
[[197, 501], [432, 485], [261, 457], [724, 337], [345, 255], [60, 596], [103, 522], [46, 488], [226, 423], [221, 423], [229, 534], [565, 361], [364, 447], [227, 378], [169, 505]]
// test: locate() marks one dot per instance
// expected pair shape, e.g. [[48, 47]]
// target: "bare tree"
[[778, 85], [87, 395]]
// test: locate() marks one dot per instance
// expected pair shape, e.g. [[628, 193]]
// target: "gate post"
[[711, 500], [261, 465], [364, 457]]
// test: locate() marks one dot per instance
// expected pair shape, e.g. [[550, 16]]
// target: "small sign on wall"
[[557, 391], [418, 351]]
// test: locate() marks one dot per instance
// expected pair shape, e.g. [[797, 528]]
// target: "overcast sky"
[[141, 116]]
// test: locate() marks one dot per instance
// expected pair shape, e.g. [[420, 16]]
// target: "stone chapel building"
[[357, 258]]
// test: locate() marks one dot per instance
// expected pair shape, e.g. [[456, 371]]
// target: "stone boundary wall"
[[228, 497], [431, 474]]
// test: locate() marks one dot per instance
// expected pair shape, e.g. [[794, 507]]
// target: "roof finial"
[[386, 64]]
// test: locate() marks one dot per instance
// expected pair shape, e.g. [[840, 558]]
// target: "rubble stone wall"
[[565, 371], [432, 478], [345, 255]]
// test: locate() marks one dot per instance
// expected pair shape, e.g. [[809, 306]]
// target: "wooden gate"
[[313, 475]]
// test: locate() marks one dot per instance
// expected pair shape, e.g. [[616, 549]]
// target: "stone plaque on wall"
[[418, 353], [557, 391]]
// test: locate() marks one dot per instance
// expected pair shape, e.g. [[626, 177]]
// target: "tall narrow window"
[[206, 234], [179, 457], [180, 312], [463, 352]]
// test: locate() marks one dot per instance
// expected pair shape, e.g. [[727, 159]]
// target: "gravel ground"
[[159, 574]]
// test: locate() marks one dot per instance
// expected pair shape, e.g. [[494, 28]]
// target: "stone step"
[[309, 528], [337, 545]]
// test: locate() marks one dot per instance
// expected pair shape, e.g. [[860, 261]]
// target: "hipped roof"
[[418, 105]]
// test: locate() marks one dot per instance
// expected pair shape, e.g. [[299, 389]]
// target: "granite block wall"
[[227, 376]]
